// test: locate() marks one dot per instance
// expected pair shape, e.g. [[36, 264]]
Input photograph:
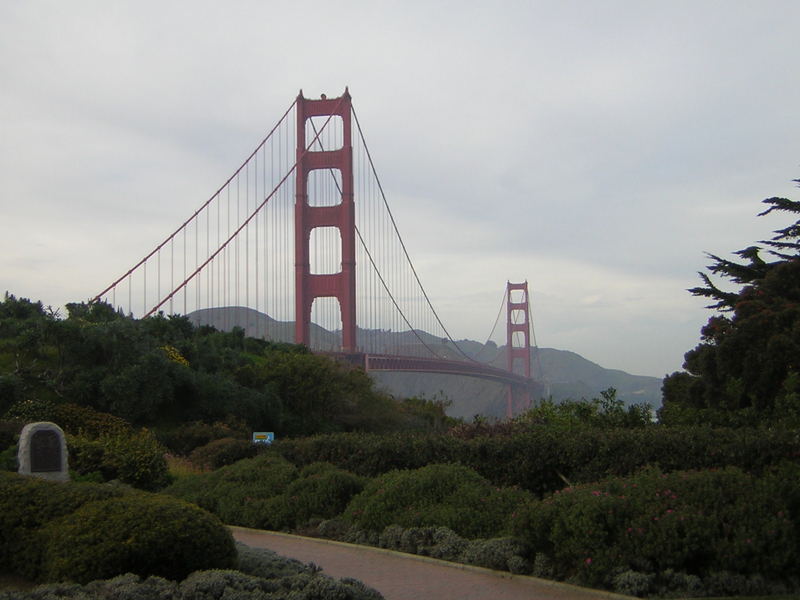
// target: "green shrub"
[[9, 459], [437, 542], [265, 563], [633, 583], [29, 503], [9, 430], [500, 554], [447, 545], [132, 457], [320, 492], [268, 492], [205, 585], [540, 458], [241, 493], [335, 529], [451, 496], [127, 587], [31, 410], [87, 422], [137, 533], [186, 437], [693, 522], [221, 452]]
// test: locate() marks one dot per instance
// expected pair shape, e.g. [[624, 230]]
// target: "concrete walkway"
[[401, 576]]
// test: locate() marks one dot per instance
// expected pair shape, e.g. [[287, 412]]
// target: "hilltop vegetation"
[[163, 371]]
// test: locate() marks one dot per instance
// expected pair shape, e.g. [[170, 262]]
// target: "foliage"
[[135, 533], [608, 411], [28, 503], [746, 368], [132, 457], [85, 421], [204, 585], [543, 459], [268, 492], [262, 562], [325, 396], [242, 493], [185, 437], [9, 432], [500, 554], [428, 415], [321, 491], [694, 522], [452, 496], [9, 459], [221, 452], [163, 371]]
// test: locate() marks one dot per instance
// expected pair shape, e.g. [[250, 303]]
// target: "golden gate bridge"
[[302, 232]]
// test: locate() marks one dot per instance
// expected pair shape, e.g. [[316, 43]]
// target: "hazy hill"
[[565, 374]]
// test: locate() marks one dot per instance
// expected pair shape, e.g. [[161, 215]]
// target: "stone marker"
[[43, 452]]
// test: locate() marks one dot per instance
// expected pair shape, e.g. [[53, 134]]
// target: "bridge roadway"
[[413, 364], [399, 576]]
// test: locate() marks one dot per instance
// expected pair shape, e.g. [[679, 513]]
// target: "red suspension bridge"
[[302, 232]]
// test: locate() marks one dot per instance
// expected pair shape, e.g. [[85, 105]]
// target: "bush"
[[205, 585], [137, 533], [186, 437], [9, 430], [265, 563], [30, 410], [540, 459], [267, 492], [436, 542], [500, 554], [320, 492], [27, 504], [694, 522], [221, 452], [452, 496], [240, 494], [133, 457], [633, 583], [88, 422], [9, 460]]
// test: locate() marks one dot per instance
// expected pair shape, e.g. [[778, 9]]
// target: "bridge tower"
[[518, 347], [341, 285]]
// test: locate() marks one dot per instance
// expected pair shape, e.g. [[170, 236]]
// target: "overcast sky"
[[596, 149]]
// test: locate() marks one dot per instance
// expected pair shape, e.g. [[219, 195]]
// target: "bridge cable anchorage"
[[375, 266], [194, 215], [402, 244], [238, 230]]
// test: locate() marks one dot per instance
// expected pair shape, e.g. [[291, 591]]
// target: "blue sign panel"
[[263, 437]]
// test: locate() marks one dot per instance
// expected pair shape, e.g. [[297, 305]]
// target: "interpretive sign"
[[263, 437]]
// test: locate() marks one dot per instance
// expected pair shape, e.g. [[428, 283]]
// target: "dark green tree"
[[746, 368]]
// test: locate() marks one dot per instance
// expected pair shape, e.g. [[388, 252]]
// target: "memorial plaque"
[[42, 452], [45, 452]]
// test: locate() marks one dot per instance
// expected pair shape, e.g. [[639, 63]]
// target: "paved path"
[[401, 576]]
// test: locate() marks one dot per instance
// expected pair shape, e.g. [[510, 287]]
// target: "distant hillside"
[[565, 374]]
